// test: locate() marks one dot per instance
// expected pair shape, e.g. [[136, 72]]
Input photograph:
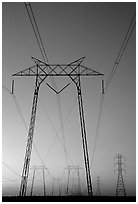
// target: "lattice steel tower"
[[76, 170], [42, 168], [98, 191], [41, 70], [120, 189]]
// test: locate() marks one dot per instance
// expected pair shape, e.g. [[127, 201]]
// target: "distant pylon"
[[32, 182], [59, 187], [73, 169], [38, 168], [53, 184], [98, 191], [120, 189]]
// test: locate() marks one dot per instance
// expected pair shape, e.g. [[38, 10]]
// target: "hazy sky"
[[70, 31]]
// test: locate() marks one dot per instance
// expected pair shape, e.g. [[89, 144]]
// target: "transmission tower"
[[41, 70], [79, 186], [120, 189], [42, 168], [74, 170], [53, 186], [59, 187], [98, 191], [33, 181], [74, 71]]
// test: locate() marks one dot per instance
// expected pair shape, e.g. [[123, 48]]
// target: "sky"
[[69, 31]]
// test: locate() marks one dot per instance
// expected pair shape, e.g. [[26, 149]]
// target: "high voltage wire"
[[45, 58], [6, 89], [86, 27], [98, 126], [121, 51], [19, 111], [25, 125], [10, 168], [38, 37], [57, 132], [54, 177], [62, 129], [23, 120], [116, 63], [7, 179]]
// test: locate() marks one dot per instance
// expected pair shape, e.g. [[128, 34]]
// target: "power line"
[[57, 132], [45, 58], [7, 179], [117, 61], [36, 31], [23, 120], [6, 89], [121, 51], [19, 111], [25, 125], [10, 168], [98, 126], [54, 177], [62, 129]]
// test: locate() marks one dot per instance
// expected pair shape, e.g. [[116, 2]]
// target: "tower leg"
[[44, 182], [68, 182], [53, 187], [79, 187], [25, 172], [84, 139], [32, 183]]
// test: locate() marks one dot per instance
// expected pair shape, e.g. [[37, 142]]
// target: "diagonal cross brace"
[[70, 69]]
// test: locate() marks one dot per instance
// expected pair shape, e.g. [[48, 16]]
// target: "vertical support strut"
[[25, 172], [53, 187], [68, 181], [79, 187], [84, 139], [32, 183], [59, 187], [44, 182]]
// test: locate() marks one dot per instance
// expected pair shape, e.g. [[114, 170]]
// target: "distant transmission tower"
[[42, 168], [98, 192], [59, 187], [120, 189], [75, 170], [53, 184]]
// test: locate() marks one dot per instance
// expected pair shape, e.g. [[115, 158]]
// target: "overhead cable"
[[10, 168], [23, 120], [57, 132], [122, 49], [8, 180], [45, 58], [115, 65]]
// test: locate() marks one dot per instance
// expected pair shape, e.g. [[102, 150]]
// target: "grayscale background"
[[69, 31]]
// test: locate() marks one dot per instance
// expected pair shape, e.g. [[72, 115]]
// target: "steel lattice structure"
[[120, 188], [41, 71], [42, 168], [76, 169], [98, 192]]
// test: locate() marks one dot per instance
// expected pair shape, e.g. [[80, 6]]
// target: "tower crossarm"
[[73, 69]]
